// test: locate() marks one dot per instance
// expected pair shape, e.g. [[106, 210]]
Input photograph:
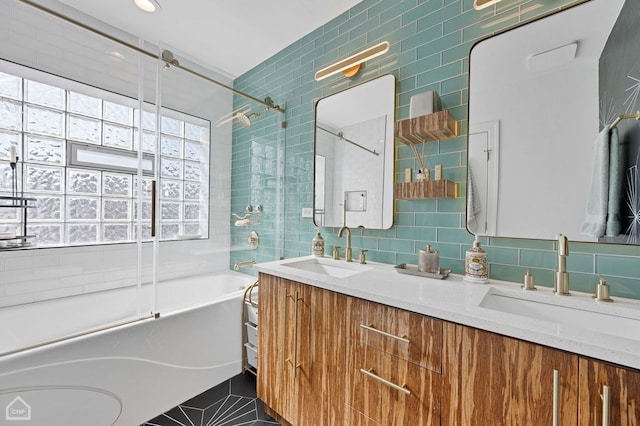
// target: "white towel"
[[473, 204], [595, 219], [616, 174]]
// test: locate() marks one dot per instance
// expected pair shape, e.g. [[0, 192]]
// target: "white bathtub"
[[124, 375]]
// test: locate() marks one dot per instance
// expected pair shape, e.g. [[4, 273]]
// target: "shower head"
[[169, 59], [245, 119]]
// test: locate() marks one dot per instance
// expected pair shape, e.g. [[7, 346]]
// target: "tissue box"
[[422, 104]]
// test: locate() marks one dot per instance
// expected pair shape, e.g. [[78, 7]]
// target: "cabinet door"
[[328, 317], [275, 342], [301, 351], [495, 380], [624, 394]]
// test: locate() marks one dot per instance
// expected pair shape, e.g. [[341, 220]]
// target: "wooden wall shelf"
[[426, 189], [426, 128]]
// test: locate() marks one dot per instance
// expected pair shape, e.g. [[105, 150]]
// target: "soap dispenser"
[[529, 281], [317, 245], [476, 264], [429, 260]]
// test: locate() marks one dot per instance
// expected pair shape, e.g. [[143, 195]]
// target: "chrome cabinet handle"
[[284, 332], [285, 359], [374, 376], [556, 397], [606, 405], [295, 335], [370, 327]]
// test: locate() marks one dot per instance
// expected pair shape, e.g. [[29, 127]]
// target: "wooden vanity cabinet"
[[329, 359], [299, 368], [624, 394], [496, 380]]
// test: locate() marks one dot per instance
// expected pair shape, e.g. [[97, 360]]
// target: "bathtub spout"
[[245, 264]]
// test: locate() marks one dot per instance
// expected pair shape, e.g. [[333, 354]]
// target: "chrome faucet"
[[561, 282], [348, 257]]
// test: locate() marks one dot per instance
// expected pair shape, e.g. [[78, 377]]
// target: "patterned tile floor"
[[231, 403]]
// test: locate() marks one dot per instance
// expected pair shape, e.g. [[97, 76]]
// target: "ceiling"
[[230, 35]]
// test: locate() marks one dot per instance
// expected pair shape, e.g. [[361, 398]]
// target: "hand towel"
[[595, 220], [615, 184], [473, 205]]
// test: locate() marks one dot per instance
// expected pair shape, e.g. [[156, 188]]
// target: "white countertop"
[[616, 340]]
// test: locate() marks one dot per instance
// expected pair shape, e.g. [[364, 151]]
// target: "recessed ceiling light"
[[148, 5]]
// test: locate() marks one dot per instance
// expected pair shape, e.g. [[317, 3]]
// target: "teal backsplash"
[[430, 43]]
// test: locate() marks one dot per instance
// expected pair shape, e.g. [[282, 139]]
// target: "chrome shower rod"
[[42, 8], [341, 137]]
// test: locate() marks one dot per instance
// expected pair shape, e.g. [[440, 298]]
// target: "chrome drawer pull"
[[371, 374], [606, 405], [295, 336], [370, 327], [556, 397], [284, 332]]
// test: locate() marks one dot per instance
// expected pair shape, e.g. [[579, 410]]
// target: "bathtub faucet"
[[245, 264]]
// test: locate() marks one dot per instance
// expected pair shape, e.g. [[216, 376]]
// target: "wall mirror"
[[353, 168], [540, 97]]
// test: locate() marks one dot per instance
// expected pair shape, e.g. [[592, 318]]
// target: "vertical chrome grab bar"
[[606, 405], [284, 332], [556, 398], [153, 208]]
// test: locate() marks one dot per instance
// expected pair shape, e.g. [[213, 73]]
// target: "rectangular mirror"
[[353, 168], [542, 98]]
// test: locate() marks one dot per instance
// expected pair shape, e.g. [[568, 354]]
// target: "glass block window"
[[89, 204]]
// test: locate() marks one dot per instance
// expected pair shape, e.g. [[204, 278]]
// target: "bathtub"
[[127, 374]]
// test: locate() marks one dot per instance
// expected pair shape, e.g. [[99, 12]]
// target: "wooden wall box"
[[425, 189], [426, 128]]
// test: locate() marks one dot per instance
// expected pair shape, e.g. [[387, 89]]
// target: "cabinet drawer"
[[413, 337], [390, 390], [354, 417]]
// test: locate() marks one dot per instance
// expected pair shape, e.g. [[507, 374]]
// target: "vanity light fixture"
[[481, 4], [148, 5], [350, 66]]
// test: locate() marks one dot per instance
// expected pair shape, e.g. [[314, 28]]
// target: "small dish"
[[409, 269]]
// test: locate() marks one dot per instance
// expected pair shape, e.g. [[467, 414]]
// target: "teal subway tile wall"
[[430, 43]]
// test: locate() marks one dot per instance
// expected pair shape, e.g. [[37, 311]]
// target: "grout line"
[[185, 414]]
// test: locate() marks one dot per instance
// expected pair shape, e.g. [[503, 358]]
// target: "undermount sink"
[[329, 267], [616, 323]]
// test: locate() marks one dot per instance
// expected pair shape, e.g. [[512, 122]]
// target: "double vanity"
[[348, 343], [344, 343]]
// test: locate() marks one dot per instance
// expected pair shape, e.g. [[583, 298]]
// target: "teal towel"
[[615, 184], [595, 220]]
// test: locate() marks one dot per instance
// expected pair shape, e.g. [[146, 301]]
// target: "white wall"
[[31, 38]]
